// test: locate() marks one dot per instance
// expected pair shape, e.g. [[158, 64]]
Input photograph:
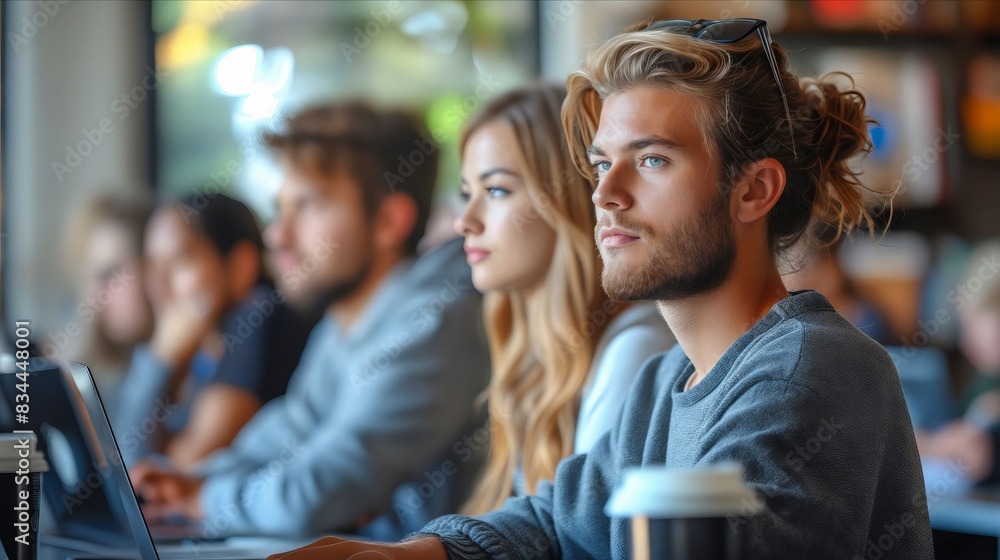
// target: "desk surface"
[[977, 513]]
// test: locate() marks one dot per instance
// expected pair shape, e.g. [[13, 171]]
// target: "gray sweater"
[[374, 421], [810, 407]]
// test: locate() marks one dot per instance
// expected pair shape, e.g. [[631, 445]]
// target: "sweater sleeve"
[[615, 370], [526, 527], [141, 410]]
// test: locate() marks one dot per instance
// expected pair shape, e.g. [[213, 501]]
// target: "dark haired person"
[[372, 433], [224, 342], [703, 176]]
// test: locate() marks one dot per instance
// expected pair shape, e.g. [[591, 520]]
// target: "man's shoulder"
[[820, 351], [440, 279], [444, 261], [433, 310]]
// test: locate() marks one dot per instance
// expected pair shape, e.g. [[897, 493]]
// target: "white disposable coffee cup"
[[682, 514]]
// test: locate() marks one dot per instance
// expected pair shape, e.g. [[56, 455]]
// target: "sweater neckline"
[[796, 304]]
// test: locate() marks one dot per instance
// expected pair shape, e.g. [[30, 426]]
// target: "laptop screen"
[[87, 489]]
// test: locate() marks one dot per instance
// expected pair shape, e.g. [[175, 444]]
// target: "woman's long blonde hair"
[[541, 347]]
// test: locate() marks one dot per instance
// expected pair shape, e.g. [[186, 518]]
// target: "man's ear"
[[759, 190], [244, 264], [394, 221]]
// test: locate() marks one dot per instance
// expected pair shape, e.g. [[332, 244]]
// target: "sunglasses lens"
[[725, 31], [671, 25]]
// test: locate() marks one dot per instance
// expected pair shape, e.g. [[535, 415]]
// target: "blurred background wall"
[[65, 65]]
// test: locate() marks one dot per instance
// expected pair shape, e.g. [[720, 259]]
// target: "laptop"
[[89, 509]]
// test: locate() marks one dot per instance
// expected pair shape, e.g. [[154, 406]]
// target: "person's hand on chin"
[[181, 327], [333, 548]]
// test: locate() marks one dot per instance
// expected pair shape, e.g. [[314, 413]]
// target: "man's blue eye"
[[653, 161]]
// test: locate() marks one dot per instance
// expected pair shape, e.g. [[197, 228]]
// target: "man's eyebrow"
[[494, 171], [638, 144], [653, 140]]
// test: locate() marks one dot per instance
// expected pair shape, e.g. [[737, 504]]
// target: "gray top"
[[810, 407], [631, 338], [374, 420]]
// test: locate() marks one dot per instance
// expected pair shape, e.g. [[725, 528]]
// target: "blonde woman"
[[563, 354]]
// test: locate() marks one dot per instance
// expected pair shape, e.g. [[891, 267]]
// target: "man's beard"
[[316, 303], [696, 258], [343, 288]]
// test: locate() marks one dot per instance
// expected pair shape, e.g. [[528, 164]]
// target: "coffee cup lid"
[[17, 447], [675, 493]]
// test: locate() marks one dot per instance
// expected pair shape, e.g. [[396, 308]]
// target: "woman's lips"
[[474, 256], [285, 261]]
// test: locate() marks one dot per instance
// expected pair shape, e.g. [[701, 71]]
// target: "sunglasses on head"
[[731, 31]]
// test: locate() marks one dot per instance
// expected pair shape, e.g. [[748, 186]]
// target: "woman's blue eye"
[[601, 165], [465, 196], [497, 192], [653, 161]]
